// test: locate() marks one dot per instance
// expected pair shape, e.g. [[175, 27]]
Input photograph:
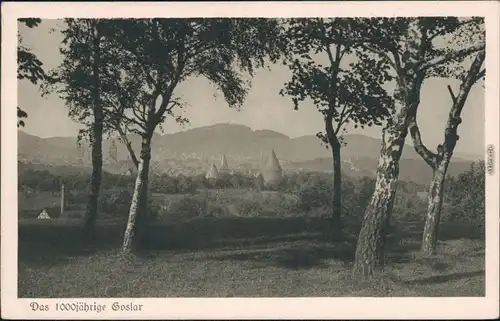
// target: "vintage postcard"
[[250, 160]]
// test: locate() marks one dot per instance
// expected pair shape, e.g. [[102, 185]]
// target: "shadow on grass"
[[447, 230], [55, 241], [445, 278], [294, 255]]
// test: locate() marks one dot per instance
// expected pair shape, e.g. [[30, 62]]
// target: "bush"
[[249, 206], [186, 185], [409, 207], [186, 208], [116, 202], [313, 195], [465, 195]]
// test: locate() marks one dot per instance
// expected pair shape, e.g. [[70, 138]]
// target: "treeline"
[[464, 195], [35, 181]]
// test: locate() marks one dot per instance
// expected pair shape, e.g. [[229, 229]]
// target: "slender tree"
[[160, 54], [408, 45], [28, 65], [80, 80], [342, 92], [439, 161]]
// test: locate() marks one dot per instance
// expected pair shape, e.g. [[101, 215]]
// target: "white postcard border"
[[251, 308]]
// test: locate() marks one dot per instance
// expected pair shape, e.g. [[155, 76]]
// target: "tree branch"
[[127, 143], [381, 53], [166, 96], [341, 120], [429, 157], [481, 74], [443, 31], [453, 97], [452, 55], [454, 120]]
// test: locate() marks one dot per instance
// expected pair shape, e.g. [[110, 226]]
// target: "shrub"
[[185, 208], [314, 194], [465, 195], [249, 206], [408, 207], [116, 202], [186, 185]]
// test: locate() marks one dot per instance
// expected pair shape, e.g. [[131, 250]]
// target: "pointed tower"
[[224, 168], [272, 170], [212, 172]]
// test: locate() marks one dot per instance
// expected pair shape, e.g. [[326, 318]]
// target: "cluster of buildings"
[[271, 170]]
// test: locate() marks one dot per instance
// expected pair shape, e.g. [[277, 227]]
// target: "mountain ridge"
[[193, 151], [224, 138]]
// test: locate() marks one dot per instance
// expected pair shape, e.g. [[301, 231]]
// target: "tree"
[[158, 54], [81, 80], [28, 65], [408, 46], [341, 94], [440, 160]]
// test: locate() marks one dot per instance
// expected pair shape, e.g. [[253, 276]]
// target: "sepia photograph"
[[246, 155]]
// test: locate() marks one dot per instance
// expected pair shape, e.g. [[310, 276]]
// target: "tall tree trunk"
[[337, 187], [370, 249], [435, 202], [336, 218], [97, 131], [138, 207]]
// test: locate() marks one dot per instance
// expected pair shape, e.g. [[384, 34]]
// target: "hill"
[[195, 149]]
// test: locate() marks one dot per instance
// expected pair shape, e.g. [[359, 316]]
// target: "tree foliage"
[[466, 195], [348, 88], [158, 54], [28, 65]]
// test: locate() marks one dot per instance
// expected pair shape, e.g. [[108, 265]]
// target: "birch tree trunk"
[[97, 131], [435, 202], [138, 207], [370, 249], [439, 161]]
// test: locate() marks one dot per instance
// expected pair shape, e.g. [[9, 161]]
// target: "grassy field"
[[242, 257]]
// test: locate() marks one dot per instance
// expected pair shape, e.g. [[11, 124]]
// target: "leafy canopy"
[[28, 65], [143, 60], [343, 82]]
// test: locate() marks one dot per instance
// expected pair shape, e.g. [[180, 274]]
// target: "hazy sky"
[[264, 108]]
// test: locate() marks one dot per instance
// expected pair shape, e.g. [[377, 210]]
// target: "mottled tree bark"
[[370, 250], [97, 131], [138, 207], [435, 202]]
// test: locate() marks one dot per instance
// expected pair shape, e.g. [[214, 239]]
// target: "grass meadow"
[[241, 242], [242, 257]]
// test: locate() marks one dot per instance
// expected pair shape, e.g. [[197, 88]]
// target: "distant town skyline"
[[264, 108]]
